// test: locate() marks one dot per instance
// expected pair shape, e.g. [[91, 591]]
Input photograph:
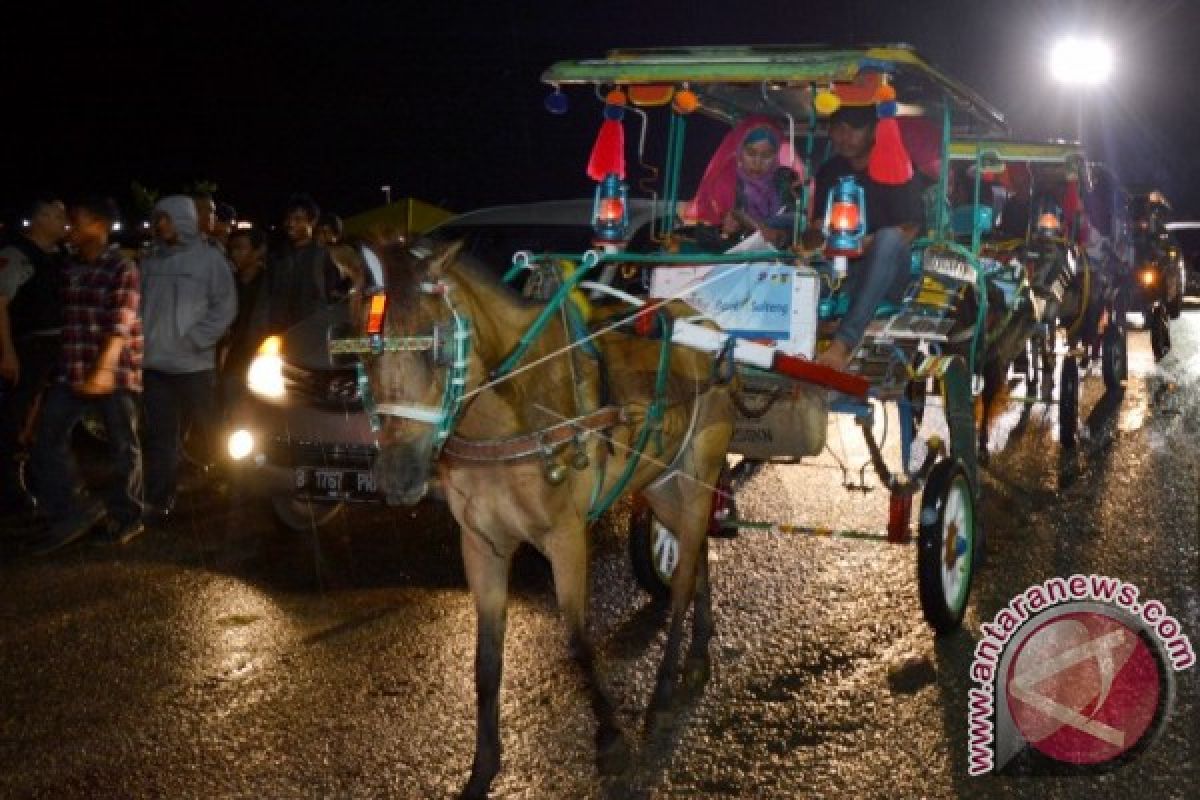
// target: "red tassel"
[[889, 163], [608, 153]]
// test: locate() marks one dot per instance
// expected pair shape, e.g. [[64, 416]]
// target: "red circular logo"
[[1084, 688]]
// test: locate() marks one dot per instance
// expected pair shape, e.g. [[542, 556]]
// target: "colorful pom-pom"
[[616, 97], [556, 102], [685, 101], [826, 102], [885, 93], [614, 112], [886, 110]]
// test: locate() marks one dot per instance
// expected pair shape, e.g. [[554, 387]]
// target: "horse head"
[[415, 367]]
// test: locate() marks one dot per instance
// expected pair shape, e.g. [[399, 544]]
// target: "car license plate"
[[348, 483]]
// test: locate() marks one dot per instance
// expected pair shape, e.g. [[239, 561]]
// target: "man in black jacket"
[[300, 277], [31, 276]]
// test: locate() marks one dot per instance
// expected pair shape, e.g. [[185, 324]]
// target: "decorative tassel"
[[889, 163], [608, 153]]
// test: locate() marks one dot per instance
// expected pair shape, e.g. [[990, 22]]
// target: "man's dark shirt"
[[298, 282], [37, 307], [887, 206]]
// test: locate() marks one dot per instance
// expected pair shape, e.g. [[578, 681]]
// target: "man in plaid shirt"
[[101, 370]]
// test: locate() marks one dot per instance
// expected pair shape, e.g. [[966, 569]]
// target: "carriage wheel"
[[1033, 365], [1068, 401], [654, 548], [1114, 356], [653, 552], [946, 546], [1160, 333]]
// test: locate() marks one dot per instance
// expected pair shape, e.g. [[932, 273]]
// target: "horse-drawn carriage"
[[929, 343], [623, 371], [1051, 233]]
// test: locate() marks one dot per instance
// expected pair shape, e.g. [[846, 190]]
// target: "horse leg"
[[567, 553], [487, 566], [989, 394], [696, 667], [691, 528]]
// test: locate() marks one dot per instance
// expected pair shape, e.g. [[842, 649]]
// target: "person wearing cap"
[[895, 215]]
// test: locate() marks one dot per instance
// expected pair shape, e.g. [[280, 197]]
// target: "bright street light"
[[1081, 61]]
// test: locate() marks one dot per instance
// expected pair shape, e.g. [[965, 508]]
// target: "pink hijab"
[[718, 188]]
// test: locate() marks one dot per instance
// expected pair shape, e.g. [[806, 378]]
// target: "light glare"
[[1081, 62], [241, 444]]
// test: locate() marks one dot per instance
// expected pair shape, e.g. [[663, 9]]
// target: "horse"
[[521, 456]]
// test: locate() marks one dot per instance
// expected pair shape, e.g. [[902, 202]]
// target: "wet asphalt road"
[[223, 658]]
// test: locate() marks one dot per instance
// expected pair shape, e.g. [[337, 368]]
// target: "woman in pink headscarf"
[[746, 188]]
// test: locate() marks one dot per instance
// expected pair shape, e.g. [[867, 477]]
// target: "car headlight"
[[265, 376], [240, 444], [1147, 277]]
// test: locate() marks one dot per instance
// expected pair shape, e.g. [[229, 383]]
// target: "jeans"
[[53, 465], [38, 356], [169, 399], [883, 273]]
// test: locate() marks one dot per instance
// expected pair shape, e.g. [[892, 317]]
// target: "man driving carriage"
[[894, 217]]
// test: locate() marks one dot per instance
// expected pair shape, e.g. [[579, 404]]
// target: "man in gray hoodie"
[[188, 302]]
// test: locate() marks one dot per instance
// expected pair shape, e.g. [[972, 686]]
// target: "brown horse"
[[523, 458]]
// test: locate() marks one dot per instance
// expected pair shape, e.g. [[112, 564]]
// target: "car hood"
[[306, 344]]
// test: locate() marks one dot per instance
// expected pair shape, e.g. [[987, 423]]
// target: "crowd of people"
[[150, 343]]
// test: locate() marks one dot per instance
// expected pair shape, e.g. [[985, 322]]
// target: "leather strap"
[[531, 445]]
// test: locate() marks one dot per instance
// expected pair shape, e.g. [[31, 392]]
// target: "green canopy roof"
[[734, 81]]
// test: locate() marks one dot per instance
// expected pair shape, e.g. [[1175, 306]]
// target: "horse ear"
[[443, 257]]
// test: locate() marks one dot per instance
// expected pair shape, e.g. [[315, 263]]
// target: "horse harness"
[[450, 347]]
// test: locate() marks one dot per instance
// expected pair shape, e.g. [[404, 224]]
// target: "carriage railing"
[[589, 261]]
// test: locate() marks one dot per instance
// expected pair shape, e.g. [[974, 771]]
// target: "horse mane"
[[406, 267]]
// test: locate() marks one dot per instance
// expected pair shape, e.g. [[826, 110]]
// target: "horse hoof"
[[658, 721], [472, 792], [613, 756], [477, 787]]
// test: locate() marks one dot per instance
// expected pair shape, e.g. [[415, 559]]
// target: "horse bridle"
[[449, 344]]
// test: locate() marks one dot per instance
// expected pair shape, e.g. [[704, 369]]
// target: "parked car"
[[300, 437]]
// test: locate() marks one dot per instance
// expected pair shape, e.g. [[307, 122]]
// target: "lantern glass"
[[610, 212]]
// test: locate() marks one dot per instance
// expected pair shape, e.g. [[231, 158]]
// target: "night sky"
[[442, 101]]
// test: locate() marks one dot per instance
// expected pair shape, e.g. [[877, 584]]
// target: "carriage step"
[[912, 326]]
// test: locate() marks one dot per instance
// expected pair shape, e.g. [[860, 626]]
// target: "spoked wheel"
[[299, 514], [654, 548], [1114, 356], [1033, 370], [1068, 401], [1160, 333], [653, 552], [946, 546]]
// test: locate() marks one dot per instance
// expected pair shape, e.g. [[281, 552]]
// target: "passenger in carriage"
[[747, 188], [895, 215]]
